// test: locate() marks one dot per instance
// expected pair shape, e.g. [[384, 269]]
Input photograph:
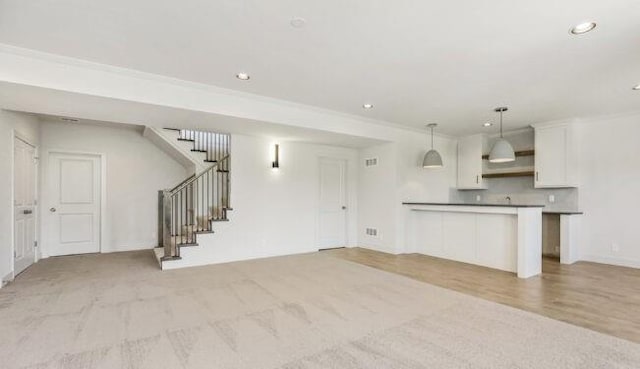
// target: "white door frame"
[[347, 201], [16, 135], [46, 194]]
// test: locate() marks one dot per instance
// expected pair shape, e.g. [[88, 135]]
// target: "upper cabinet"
[[555, 160], [470, 163]]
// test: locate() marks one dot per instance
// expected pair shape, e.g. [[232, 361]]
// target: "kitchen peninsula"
[[499, 236]]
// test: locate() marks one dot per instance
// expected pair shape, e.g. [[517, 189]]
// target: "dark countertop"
[[474, 204], [560, 212]]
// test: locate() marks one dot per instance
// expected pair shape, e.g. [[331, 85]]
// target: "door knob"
[[53, 210]]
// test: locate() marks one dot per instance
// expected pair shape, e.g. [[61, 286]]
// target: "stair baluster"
[[193, 205]]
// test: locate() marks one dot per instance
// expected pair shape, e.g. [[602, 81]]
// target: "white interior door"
[[332, 227], [74, 204], [24, 229]]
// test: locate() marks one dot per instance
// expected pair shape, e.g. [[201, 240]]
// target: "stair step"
[[169, 258], [210, 161], [222, 171], [186, 139], [188, 244], [197, 150], [218, 220], [173, 129], [204, 232]]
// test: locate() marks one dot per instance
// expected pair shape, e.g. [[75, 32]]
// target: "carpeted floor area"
[[296, 312]]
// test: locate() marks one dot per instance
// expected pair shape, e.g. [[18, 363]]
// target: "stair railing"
[[194, 204]]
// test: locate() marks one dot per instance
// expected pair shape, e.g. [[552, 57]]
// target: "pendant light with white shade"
[[432, 158], [502, 151]]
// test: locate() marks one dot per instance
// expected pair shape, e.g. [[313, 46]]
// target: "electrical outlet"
[[478, 198], [615, 247], [552, 198]]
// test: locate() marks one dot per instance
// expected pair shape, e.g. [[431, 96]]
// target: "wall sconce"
[[275, 164]]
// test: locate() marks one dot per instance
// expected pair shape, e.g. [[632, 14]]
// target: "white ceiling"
[[449, 62]]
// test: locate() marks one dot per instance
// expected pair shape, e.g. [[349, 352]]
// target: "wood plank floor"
[[600, 297]]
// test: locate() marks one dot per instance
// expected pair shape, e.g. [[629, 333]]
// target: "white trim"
[[555, 123], [46, 195], [6, 279], [514, 132], [184, 84], [611, 260], [13, 204], [382, 248]]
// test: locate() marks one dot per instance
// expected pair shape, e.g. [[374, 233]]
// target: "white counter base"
[[504, 238]]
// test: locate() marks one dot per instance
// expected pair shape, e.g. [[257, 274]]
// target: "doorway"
[[74, 203], [332, 217], [25, 197]]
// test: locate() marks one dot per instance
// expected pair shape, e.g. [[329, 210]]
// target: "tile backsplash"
[[521, 191]]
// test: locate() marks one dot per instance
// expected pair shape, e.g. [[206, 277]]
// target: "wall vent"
[[373, 232], [371, 162]]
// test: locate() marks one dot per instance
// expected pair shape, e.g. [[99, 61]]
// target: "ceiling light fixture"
[[636, 87], [502, 151], [298, 22], [488, 124], [243, 76], [367, 106], [432, 158], [582, 28], [66, 119]]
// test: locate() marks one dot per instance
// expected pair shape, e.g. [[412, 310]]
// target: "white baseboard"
[[602, 259], [380, 248], [130, 247], [6, 279]]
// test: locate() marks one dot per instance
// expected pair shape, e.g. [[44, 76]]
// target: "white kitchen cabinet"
[[470, 163], [555, 160]]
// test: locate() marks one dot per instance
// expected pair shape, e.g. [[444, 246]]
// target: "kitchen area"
[[516, 201]]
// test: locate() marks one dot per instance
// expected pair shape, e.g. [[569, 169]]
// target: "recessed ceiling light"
[[69, 119], [488, 124], [367, 106], [582, 28], [637, 87], [298, 22], [243, 76]]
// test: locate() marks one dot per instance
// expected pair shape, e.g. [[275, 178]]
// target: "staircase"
[[193, 206]]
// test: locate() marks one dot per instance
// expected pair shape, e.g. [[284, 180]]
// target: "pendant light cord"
[[431, 138]]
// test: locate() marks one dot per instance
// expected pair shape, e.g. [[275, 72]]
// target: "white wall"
[[377, 195], [136, 170], [274, 212], [400, 177], [26, 126], [609, 154]]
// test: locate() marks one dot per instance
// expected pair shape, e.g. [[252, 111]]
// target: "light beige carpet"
[[296, 312]]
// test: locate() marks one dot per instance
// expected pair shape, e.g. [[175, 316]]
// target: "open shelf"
[[518, 153], [527, 173]]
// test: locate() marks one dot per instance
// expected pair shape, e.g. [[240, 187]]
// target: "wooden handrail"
[[194, 178]]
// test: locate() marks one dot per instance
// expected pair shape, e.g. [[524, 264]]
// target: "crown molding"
[[136, 74]]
